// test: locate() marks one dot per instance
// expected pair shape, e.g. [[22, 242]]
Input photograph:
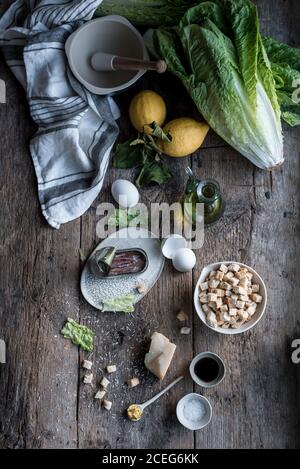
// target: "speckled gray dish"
[[95, 289]]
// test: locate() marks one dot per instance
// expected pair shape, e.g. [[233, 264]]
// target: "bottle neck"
[[208, 191], [192, 183]]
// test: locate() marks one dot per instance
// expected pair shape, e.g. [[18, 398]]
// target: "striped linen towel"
[[76, 129]]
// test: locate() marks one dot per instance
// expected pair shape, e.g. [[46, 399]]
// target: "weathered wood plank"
[[39, 273], [124, 340], [255, 405], [276, 234], [227, 240]]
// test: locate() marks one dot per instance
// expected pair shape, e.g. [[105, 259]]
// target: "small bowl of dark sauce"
[[207, 369]]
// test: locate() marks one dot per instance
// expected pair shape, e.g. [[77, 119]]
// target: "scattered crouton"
[[100, 394], [182, 316], [185, 330], [106, 404], [88, 378], [133, 382], [104, 382], [87, 364], [141, 288]]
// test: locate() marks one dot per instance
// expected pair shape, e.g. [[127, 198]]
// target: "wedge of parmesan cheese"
[[160, 355]]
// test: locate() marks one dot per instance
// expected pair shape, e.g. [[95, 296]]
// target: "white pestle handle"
[[102, 62], [153, 399]]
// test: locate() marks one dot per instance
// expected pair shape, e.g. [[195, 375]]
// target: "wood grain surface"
[[43, 403]]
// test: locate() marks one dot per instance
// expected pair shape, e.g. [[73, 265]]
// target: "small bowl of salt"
[[194, 411]]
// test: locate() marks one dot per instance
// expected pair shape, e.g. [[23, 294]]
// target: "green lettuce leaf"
[[168, 45], [147, 12], [79, 335], [282, 53], [285, 64], [123, 304], [267, 79], [207, 10], [122, 218], [243, 19]]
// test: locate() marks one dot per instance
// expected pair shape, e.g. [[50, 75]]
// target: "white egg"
[[125, 193], [172, 244], [184, 260]]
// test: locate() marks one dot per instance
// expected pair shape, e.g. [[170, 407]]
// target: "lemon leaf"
[[127, 156], [153, 172], [158, 132], [137, 141]]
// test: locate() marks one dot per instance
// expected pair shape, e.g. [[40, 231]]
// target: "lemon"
[[187, 136], [145, 108]]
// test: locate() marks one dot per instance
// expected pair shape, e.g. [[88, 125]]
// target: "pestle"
[[102, 62]]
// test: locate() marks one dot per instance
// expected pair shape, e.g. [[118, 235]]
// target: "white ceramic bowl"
[[193, 424], [111, 34], [260, 308]]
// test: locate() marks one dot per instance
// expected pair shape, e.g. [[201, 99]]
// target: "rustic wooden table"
[[42, 401]]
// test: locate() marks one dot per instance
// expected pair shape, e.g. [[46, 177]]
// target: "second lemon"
[[187, 136]]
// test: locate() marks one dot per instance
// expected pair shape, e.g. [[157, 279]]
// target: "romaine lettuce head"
[[218, 54]]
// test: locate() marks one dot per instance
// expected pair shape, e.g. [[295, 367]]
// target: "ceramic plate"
[[95, 289]]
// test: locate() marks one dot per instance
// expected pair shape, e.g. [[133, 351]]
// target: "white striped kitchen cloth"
[[76, 129]]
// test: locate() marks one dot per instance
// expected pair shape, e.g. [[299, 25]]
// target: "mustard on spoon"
[[135, 411]]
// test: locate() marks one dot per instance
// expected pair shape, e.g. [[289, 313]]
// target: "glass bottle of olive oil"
[[206, 192]]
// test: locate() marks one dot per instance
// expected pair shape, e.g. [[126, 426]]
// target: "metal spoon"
[[139, 408]]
